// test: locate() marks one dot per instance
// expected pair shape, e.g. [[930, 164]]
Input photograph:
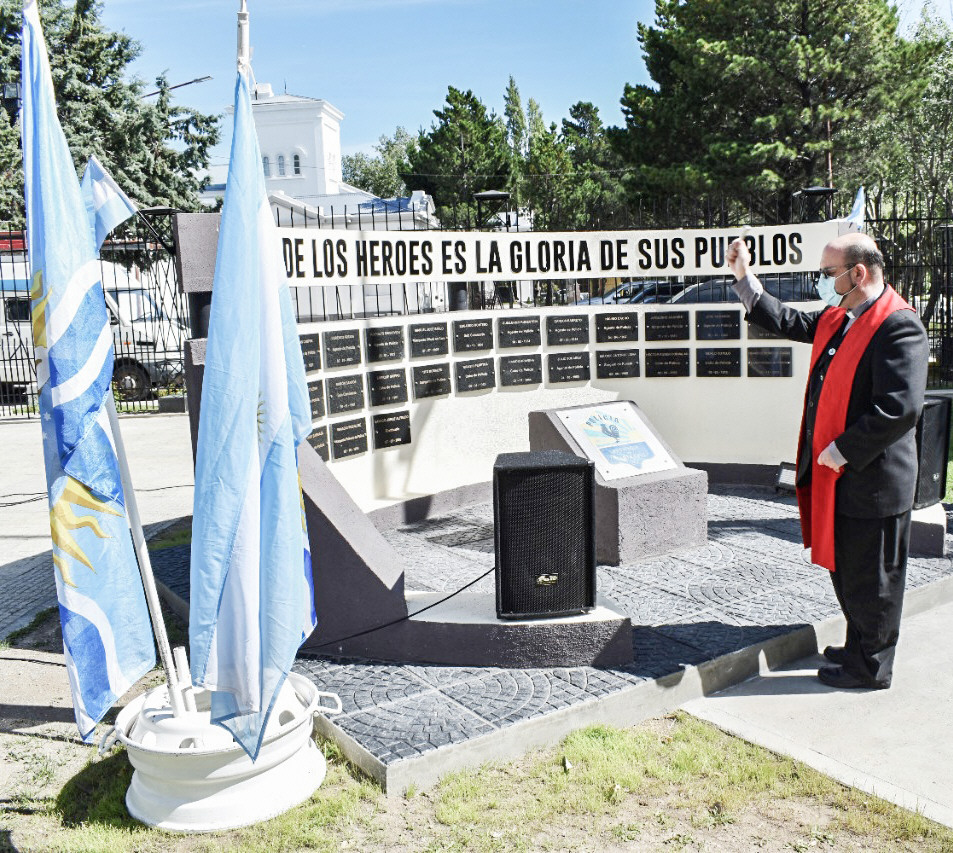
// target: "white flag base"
[[191, 776]]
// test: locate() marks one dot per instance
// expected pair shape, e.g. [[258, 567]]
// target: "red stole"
[[816, 502]]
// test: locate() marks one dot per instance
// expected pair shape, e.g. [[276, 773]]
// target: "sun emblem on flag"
[[38, 303], [260, 417], [63, 520]]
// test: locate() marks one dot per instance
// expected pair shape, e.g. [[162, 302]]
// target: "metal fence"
[[148, 317]]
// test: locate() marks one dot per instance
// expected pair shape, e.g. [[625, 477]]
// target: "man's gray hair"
[[865, 253]]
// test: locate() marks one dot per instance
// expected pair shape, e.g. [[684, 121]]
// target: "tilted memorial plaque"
[[617, 328], [617, 364], [342, 348], [666, 326], [717, 325], [476, 374], [384, 344], [431, 380], [569, 367], [521, 370], [718, 361], [518, 332], [316, 395], [386, 387], [348, 438], [428, 339], [472, 335], [311, 352], [391, 430], [563, 330], [769, 361], [666, 362], [318, 439], [345, 393]]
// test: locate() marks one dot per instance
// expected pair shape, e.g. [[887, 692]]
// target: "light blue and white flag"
[[107, 636], [251, 600], [107, 206], [857, 212]]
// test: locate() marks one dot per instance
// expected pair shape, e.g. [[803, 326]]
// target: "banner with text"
[[315, 257]]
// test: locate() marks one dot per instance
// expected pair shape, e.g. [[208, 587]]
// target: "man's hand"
[[829, 459], [738, 258]]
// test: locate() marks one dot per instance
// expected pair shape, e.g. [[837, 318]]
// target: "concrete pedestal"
[[928, 531]]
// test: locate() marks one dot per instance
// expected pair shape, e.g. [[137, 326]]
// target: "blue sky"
[[386, 63]]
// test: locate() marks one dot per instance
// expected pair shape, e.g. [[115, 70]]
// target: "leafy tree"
[[153, 148], [762, 96], [549, 176], [464, 152], [516, 133], [382, 175]]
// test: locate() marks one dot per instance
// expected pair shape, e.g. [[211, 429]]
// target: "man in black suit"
[[857, 455]]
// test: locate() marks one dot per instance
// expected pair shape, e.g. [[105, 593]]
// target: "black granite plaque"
[[769, 361], [666, 362], [518, 332], [342, 348], [391, 430], [562, 330], [475, 374], [721, 361], [316, 395], [384, 344], [755, 331], [348, 438], [717, 325], [345, 393], [431, 380], [666, 326], [318, 439], [569, 367], [311, 352], [617, 364], [472, 335], [617, 328], [385, 387], [521, 370], [428, 339]]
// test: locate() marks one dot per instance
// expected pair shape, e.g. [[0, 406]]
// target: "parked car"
[[622, 293], [788, 287], [657, 291]]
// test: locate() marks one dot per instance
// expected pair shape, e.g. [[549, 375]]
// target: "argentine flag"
[[107, 206], [857, 212], [251, 600], [107, 636]]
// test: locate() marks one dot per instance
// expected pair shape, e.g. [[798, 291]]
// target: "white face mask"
[[827, 291]]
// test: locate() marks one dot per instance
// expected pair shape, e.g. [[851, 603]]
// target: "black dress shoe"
[[836, 654], [842, 679]]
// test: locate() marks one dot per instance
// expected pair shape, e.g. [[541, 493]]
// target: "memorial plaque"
[[755, 331], [725, 361], [385, 387], [475, 374], [431, 380], [316, 395], [391, 430], [342, 348], [472, 335], [617, 364], [311, 352], [384, 344], [562, 330], [666, 326], [569, 367], [428, 339], [717, 325], [318, 439], [348, 438], [521, 370], [769, 361], [666, 362], [345, 393], [519, 332], [617, 328]]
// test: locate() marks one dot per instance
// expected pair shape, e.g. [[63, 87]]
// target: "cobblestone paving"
[[752, 581]]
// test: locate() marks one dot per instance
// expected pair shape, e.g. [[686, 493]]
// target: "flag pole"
[[145, 565]]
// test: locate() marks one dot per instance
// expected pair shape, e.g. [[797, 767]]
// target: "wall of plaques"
[[377, 385]]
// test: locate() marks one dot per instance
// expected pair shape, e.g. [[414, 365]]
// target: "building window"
[[266, 166], [296, 164], [281, 165]]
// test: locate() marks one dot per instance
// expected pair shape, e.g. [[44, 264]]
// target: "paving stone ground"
[[750, 583]]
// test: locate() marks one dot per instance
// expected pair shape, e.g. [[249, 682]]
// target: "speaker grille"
[[545, 548]]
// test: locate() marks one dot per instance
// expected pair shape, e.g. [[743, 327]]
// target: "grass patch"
[[37, 622], [179, 533]]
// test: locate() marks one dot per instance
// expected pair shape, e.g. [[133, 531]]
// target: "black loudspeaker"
[[544, 528], [933, 446]]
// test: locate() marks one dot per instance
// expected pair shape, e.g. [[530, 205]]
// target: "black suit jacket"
[[879, 439]]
